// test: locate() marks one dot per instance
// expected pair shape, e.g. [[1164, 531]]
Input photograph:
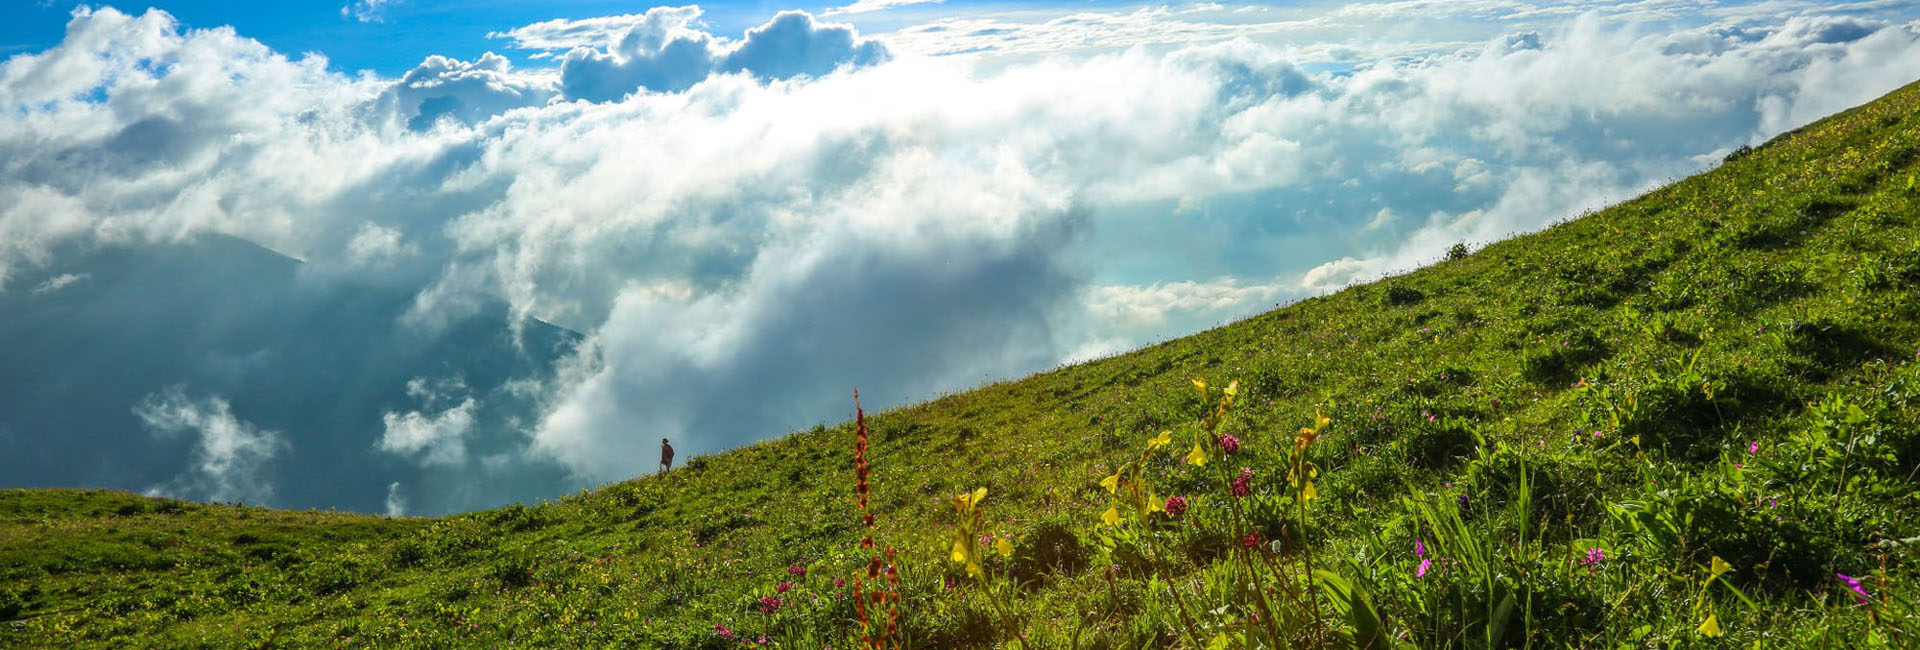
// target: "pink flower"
[[770, 604], [1859, 595], [724, 631], [1419, 548], [783, 587], [1251, 540], [1229, 443], [1592, 561], [1421, 571], [1242, 486], [797, 571], [1176, 506], [839, 582], [1753, 447]]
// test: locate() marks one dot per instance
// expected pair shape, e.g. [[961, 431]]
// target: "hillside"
[[1670, 423]]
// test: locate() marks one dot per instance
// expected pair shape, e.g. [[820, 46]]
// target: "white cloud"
[[565, 34], [467, 92], [867, 6], [396, 500], [230, 456], [662, 52], [1077, 31], [743, 250], [367, 11], [375, 247], [1141, 307], [437, 438], [58, 282]]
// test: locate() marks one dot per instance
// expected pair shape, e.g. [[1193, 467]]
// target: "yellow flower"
[[966, 543], [1198, 456], [1709, 627], [1719, 566]]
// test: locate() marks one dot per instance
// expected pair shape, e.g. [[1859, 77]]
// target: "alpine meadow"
[[1689, 420]]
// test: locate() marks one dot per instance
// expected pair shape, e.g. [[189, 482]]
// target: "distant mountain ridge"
[[86, 341]]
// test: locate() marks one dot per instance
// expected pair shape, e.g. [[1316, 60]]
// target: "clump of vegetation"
[[1688, 421]]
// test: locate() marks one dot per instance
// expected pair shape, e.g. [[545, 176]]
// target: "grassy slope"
[[1787, 276]]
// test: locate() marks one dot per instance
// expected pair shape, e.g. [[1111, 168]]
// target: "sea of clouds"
[[748, 226]]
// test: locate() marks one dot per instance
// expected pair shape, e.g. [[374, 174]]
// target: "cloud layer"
[[662, 51], [746, 229]]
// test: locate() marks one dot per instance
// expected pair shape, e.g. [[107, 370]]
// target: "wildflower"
[[1420, 551], [1592, 561], [1464, 500], [1176, 506], [770, 604], [723, 631], [1251, 540], [839, 582], [797, 571], [783, 587], [967, 539], [1241, 485], [1753, 447], [1229, 444], [761, 641], [1859, 595]]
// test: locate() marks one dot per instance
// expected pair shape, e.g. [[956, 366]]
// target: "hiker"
[[666, 456]]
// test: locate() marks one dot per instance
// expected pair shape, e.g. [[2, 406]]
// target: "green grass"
[[1597, 385]]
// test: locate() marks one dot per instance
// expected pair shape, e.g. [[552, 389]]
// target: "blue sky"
[[736, 199], [392, 37]]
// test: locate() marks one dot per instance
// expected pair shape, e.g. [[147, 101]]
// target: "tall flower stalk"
[[876, 593]]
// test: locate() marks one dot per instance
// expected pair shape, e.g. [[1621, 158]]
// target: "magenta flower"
[[1229, 443], [797, 571], [1252, 539], [1419, 548], [1753, 447], [770, 604], [1242, 485], [1176, 506], [1420, 551], [1592, 561], [839, 582], [723, 631], [783, 587], [1859, 595]]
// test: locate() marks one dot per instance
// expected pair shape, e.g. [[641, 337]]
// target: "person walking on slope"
[[666, 456]]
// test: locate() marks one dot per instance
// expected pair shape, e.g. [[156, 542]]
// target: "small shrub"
[[1457, 251], [1049, 547], [512, 571], [1401, 295], [1557, 361]]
